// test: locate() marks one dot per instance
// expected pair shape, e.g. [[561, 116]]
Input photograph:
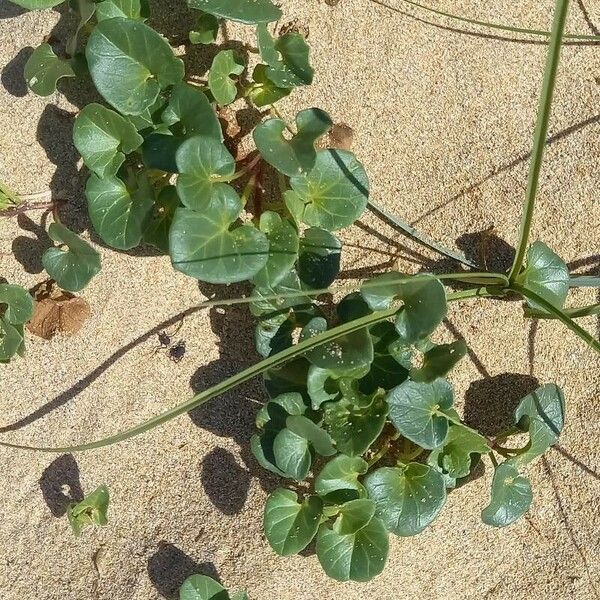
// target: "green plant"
[[360, 417], [202, 587], [92, 510]]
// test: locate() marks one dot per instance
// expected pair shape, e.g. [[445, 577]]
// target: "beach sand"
[[443, 123]]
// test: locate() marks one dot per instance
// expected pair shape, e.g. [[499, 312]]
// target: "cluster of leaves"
[[379, 396], [16, 308], [202, 587], [92, 510]]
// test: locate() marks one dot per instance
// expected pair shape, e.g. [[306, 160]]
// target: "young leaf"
[[454, 457], [44, 69], [92, 510], [333, 194], [358, 556], [159, 220], [206, 246], [263, 92], [338, 480], [355, 421], [118, 214], [72, 269], [283, 249], [511, 497], [407, 499], [243, 11], [354, 515], [201, 587], [424, 301], [221, 85], [189, 113], [292, 454], [139, 10], [204, 163], [542, 414], [206, 30], [11, 339], [546, 274], [321, 386], [288, 58], [19, 304], [289, 525], [416, 411], [146, 64], [85, 10], [274, 413], [319, 258], [103, 138], [439, 361], [319, 438], [298, 155]]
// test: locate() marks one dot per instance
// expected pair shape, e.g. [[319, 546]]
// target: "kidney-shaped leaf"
[[542, 414], [223, 88], [130, 63], [72, 268], [204, 163], [416, 411], [289, 525], [338, 480], [407, 499], [333, 194], [511, 497], [354, 515], [297, 155], [319, 438], [19, 303], [201, 587], [243, 11], [44, 69], [292, 454], [117, 214], [103, 138], [207, 246], [358, 556]]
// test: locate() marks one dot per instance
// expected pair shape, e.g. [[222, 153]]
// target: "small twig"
[[26, 207]]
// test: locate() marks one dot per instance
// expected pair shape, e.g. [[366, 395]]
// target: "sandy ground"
[[443, 123]]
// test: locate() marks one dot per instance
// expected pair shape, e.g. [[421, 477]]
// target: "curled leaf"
[[44, 69]]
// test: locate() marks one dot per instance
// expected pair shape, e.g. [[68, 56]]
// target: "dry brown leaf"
[[57, 311]]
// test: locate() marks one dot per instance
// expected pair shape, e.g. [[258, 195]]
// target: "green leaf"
[[297, 155], [201, 587], [358, 556], [44, 69], [283, 249], [243, 11], [407, 499], [11, 339], [546, 274], [261, 447], [19, 304], [289, 377], [321, 386], [92, 510], [206, 30], [416, 411], [73, 268], [275, 412], [263, 92], [85, 10], [289, 525], [338, 480], [287, 57], [355, 421], [439, 361], [454, 457], [160, 151], [159, 219], [424, 303], [138, 10], [189, 113], [118, 214], [103, 138], [319, 438], [204, 164], [511, 497], [319, 258], [346, 353], [221, 85], [351, 307], [130, 64], [354, 515], [542, 414], [273, 334], [208, 247], [36, 4], [292, 454], [333, 194]]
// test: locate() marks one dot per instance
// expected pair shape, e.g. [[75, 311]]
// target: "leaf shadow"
[[8, 10], [60, 484], [12, 76], [28, 251], [169, 567]]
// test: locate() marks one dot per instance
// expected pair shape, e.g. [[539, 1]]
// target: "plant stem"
[[236, 380], [26, 207], [243, 171], [541, 132], [275, 112], [558, 314], [411, 232], [584, 281], [573, 313], [498, 26]]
